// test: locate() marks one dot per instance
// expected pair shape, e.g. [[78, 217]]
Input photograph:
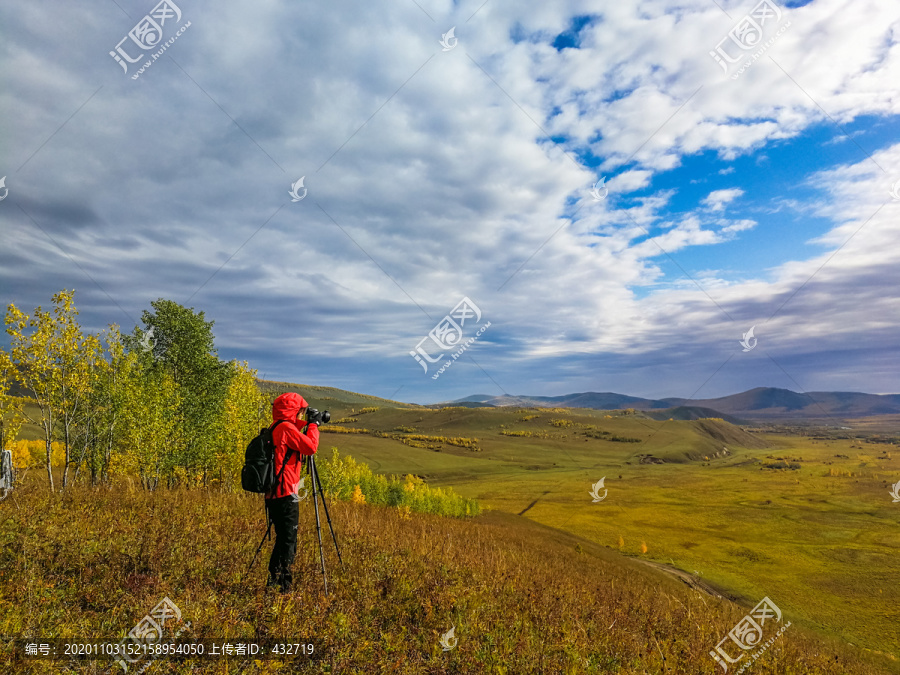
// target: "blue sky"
[[438, 169], [769, 179]]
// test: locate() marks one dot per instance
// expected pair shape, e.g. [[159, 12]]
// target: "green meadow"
[[806, 520]]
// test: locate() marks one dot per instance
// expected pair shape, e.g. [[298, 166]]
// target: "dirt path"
[[692, 581]]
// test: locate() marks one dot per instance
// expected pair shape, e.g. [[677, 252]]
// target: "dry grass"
[[523, 598]]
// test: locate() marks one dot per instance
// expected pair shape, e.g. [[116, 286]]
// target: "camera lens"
[[326, 416]]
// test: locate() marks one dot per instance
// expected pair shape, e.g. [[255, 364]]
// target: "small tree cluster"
[[157, 403]]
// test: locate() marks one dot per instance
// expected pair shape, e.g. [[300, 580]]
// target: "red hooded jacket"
[[288, 435]]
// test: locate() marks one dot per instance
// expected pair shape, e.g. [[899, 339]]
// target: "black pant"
[[284, 513]]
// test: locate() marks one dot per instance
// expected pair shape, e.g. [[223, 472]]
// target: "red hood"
[[286, 406]]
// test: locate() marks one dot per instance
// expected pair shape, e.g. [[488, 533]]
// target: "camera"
[[313, 415]]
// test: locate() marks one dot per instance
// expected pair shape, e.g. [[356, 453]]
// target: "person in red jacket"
[[283, 503]]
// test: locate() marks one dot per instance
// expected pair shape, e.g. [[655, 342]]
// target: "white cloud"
[[629, 181], [730, 226], [718, 199]]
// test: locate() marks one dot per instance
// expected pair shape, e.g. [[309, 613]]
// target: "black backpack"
[[258, 474]]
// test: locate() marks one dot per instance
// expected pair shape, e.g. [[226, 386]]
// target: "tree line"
[[157, 402]]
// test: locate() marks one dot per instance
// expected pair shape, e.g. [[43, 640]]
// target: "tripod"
[[317, 494], [317, 490]]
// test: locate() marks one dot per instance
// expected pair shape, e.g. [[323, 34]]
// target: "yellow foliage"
[[413, 483], [363, 411], [342, 430], [11, 412], [186, 478], [525, 433], [643, 547], [34, 453], [358, 497], [432, 442], [54, 361], [246, 411]]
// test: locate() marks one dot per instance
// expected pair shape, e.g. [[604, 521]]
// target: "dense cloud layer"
[[434, 175]]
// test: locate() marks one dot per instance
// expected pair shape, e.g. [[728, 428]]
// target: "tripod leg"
[[267, 535], [327, 515], [312, 471]]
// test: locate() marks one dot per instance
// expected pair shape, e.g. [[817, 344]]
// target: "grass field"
[[807, 521], [520, 597], [822, 538]]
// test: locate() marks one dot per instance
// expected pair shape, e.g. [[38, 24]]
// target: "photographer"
[[283, 503]]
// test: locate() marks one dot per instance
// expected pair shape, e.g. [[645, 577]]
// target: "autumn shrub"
[[363, 411], [342, 476], [34, 453], [525, 433], [332, 429]]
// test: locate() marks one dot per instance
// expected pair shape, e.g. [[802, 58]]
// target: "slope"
[[519, 597]]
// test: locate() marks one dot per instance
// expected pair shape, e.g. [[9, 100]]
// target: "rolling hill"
[[323, 395]]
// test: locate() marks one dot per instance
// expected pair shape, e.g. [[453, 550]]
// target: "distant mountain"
[[761, 403], [769, 402], [599, 401]]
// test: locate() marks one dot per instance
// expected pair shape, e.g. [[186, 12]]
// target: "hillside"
[[685, 436], [691, 412], [324, 396], [490, 440], [519, 597]]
